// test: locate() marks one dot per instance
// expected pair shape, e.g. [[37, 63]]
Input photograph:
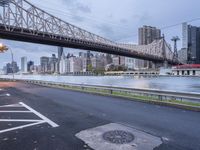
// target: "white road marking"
[[21, 127], [7, 94], [15, 111], [13, 105], [32, 122], [53, 124], [20, 120]]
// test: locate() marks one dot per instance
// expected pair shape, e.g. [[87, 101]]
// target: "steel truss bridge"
[[22, 21]]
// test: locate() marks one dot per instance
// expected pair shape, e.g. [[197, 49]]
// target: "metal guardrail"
[[150, 93]]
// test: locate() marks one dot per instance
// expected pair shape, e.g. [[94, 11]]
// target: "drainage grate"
[[118, 137]]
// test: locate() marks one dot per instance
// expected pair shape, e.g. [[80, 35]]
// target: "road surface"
[[56, 116]]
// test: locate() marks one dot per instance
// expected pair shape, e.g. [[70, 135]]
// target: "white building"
[[64, 66], [75, 64], [119, 60], [130, 63], [98, 62], [187, 70]]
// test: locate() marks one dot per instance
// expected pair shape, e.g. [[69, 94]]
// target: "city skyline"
[[123, 28]]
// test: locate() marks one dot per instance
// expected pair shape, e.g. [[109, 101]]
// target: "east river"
[[179, 84]]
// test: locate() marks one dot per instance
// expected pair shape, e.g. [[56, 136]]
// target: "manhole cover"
[[118, 137]]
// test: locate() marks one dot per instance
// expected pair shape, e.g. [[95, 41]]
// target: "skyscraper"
[[191, 43], [148, 34], [15, 67], [24, 64], [60, 52], [30, 64], [44, 63]]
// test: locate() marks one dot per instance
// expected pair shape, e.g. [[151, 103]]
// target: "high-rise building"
[[148, 34], [11, 68], [15, 67], [185, 35], [44, 63], [191, 43], [75, 64], [98, 63], [119, 61], [130, 63], [24, 64], [8, 68], [60, 52], [53, 63], [30, 64]]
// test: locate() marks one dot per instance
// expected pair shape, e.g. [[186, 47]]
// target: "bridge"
[[22, 21]]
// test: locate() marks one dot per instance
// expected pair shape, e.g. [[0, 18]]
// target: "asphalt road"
[[76, 111]]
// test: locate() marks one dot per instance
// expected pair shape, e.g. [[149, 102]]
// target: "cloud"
[[116, 20], [75, 5], [83, 8], [106, 30]]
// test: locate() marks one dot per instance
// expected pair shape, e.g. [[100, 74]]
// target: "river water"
[[179, 84]]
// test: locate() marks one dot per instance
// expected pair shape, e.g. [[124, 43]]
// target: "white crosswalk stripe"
[[28, 122]]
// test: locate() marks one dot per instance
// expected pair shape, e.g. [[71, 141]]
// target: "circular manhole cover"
[[118, 137]]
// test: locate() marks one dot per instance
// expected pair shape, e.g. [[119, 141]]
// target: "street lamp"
[[4, 48]]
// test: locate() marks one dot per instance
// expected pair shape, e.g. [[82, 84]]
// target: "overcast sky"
[[118, 20]]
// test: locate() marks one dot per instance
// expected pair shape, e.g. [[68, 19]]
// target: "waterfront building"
[[108, 59], [84, 64], [29, 65], [119, 60], [34, 69], [8, 68], [130, 63], [53, 62], [148, 34], [183, 55], [44, 63], [98, 63], [60, 53], [75, 64], [191, 43], [11, 68], [15, 67], [186, 70], [64, 65], [24, 65]]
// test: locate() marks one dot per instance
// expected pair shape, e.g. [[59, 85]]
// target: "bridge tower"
[[164, 52], [175, 39]]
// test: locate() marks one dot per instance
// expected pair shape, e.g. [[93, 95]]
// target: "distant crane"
[[175, 39]]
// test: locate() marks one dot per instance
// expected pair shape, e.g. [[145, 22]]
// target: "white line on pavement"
[[15, 111], [7, 94], [19, 120], [21, 127], [53, 124], [13, 105]]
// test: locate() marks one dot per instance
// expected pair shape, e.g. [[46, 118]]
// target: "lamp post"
[[4, 48], [13, 75]]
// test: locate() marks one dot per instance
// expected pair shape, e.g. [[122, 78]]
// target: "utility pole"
[[175, 39]]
